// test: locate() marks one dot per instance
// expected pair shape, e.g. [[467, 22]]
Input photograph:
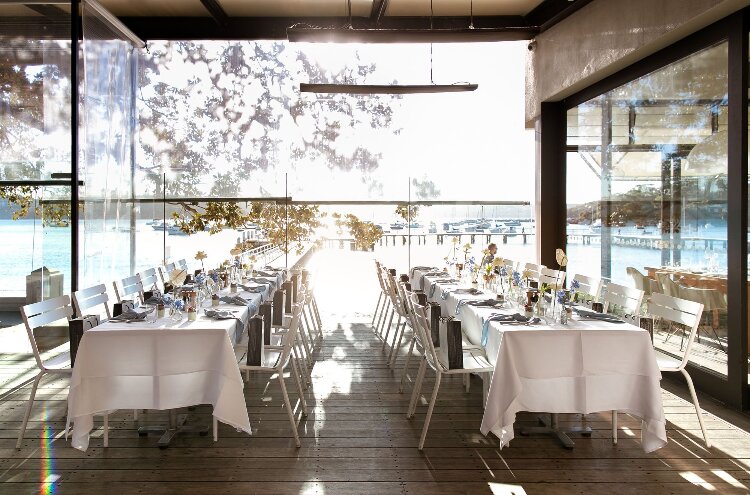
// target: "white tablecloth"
[[159, 365], [583, 367]]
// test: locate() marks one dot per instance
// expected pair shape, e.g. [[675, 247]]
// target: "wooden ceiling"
[[268, 19]]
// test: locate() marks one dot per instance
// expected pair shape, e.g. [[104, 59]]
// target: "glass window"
[[647, 192]]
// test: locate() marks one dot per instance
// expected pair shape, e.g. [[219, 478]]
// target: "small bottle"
[[160, 311]]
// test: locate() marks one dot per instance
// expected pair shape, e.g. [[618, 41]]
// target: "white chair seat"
[[284, 323], [270, 359], [473, 362], [59, 363], [667, 362]]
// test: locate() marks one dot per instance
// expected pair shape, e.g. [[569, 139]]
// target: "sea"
[[26, 246]]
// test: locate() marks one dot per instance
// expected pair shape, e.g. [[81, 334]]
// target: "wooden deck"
[[357, 440]]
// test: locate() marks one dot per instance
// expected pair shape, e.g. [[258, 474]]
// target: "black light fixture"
[[393, 89], [351, 35]]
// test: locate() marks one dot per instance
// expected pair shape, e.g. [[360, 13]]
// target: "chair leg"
[[429, 410], [388, 329], [397, 337], [698, 411], [309, 329], [406, 366], [614, 427], [383, 311], [106, 429], [377, 306], [381, 326], [467, 381], [216, 429], [317, 314], [302, 400], [289, 410], [304, 373], [417, 388], [28, 409]]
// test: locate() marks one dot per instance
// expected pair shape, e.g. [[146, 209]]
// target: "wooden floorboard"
[[357, 440]]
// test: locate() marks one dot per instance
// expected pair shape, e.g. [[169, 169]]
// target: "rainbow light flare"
[[46, 476]]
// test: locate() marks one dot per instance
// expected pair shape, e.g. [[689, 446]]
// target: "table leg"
[[554, 430], [176, 426]]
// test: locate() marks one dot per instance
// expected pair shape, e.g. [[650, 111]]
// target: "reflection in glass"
[[647, 192]]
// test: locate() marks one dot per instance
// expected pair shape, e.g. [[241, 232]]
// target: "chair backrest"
[[680, 311], [148, 279], [628, 298], [288, 338], [589, 285], [668, 286], [410, 297], [710, 298], [182, 264], [509, 264], [86, 299], [127, 287], [41, 313], [551, 277], [379, 271], [533, 268], [640, 281], [164, 272], [420, 312], [401, 286]]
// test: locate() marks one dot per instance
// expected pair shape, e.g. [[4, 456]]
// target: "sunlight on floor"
[[337, 379], [697, 480], [502, 489]]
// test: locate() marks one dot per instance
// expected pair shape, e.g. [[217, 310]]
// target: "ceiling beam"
[[275, 28], [48, 11], [217, 11], [550, 12], [378, 9]]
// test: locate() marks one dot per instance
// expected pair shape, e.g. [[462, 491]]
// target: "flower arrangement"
[[562, 262], [200, 256], [466, 248]]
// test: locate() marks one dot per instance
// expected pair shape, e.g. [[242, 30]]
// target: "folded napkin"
[[239, 301], [154, 300], [585, 313], [220, 314], [132, 315], [472, 291], [254, 290], [487, 303], [506, 319], [264, 281], [265, 274]]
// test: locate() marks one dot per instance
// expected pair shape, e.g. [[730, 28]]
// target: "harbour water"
[[27, 246]]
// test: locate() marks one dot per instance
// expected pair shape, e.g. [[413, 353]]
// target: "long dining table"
[[165, 364], [585, 366]]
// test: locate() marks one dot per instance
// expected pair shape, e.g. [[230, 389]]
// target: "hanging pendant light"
[[365, 89]]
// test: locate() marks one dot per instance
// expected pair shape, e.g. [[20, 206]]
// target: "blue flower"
[[503, 271], [168, 299], [179, 304], [562, 296], [575, 285], [200, 279], [214, 276], [516, 277], [237, 263]]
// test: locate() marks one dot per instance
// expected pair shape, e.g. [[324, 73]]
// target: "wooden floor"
[[357, 440]]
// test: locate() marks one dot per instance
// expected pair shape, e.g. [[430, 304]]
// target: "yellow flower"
[[485, 252], [498, 262], [455, 240], [235, 251], [526, 274], [467, 247], [560, 257], [253, 259], [200, 255]]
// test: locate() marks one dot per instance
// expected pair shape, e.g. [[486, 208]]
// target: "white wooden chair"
[[276, 360], [627, 298], [642, 282], [182, 264], [300, 348], [398, 309], [93, 297], [474, 362], [149, 279], [416, 340], [382, 298], [164, 272], [386, 306], [551, 277], [589, 285], [34, 317], [534, 269], [680, 311], [127, 287], [408, 321]]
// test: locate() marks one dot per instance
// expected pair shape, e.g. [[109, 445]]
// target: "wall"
[[606, 36]]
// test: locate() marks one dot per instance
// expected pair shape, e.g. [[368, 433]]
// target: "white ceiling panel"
[[155, 8]]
